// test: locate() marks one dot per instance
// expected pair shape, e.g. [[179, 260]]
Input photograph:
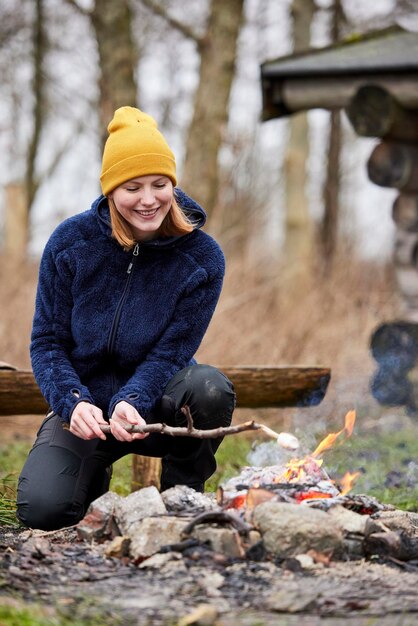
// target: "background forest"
[[308, 274]]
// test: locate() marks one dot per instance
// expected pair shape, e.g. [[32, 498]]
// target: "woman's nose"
[[147, 196]]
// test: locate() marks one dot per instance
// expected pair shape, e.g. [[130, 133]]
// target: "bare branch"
[[285, 440], [77, 7], [186, 411], [159, 10]]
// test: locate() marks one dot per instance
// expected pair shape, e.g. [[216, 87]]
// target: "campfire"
[[298, 480], [292, 510]]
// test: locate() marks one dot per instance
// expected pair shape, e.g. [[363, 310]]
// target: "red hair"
[[174, 224]]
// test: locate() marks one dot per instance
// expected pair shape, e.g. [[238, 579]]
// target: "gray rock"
[[143, 503], [150, 534], [292, 529], [224, 540], [99, 522], [158, 561], [185, 499], [349, 521]]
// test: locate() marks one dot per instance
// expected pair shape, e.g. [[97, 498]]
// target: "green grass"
[[17, 614], [388, 464]]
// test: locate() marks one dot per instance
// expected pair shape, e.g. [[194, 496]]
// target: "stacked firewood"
[[376, 112]]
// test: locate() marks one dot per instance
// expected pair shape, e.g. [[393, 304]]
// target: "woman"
[[126, 292]]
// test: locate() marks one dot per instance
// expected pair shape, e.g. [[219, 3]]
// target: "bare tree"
[[299, 228], [217, 48], [331, 191], [40, 46], [112, 25]]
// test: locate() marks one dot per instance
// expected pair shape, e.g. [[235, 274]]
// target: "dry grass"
[[264, 317]]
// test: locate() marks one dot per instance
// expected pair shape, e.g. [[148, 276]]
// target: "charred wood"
[[397, 544]]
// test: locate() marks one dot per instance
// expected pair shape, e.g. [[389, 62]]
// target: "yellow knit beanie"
[[135, 147]]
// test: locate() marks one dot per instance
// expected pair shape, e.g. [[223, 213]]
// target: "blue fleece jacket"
[[111, 325]]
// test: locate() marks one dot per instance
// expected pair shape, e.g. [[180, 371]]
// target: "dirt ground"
[[57, 569]]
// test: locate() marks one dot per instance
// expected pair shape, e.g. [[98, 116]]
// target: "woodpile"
[[376, 112]]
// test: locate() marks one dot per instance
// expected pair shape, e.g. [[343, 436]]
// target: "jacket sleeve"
[[51, 338], [177, 345]]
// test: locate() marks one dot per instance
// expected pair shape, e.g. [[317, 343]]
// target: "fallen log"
[[255, 387]]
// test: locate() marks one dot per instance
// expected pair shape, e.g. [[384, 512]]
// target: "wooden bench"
[[255, 386]]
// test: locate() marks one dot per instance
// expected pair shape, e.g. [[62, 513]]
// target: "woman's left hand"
[[124, 414]]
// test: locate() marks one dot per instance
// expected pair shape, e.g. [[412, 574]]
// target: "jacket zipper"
[[118, 312]]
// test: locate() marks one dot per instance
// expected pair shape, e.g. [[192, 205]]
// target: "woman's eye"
[[160, 185]]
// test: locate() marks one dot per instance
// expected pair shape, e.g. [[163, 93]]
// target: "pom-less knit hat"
[[135, 147]]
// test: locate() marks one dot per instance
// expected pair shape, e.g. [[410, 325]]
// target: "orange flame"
[[330, 439], [347, 482]]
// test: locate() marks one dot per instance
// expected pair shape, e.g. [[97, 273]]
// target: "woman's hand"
[[85, 420], [124, 414]]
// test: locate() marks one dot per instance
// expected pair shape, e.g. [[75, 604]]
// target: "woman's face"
[[144, 202]]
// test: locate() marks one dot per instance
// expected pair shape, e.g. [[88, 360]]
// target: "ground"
[[57, 570]]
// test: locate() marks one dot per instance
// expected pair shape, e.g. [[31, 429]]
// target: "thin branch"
[[186, 411], [75, 5], [285, 440], [185, 30]]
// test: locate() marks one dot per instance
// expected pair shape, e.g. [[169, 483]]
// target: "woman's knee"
[[43, 509], [208, 393]]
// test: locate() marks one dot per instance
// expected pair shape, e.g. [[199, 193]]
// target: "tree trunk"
[[299, 228], [38, 88], [117, 58], [217, 67], [16, 227], [331, 194]]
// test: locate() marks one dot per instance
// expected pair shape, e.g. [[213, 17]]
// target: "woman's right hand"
[[85, 420]]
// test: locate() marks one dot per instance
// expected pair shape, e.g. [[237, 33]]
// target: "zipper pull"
[[134, 254]]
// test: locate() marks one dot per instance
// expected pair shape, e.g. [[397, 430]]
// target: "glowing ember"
[[310, 495], [299, 470]]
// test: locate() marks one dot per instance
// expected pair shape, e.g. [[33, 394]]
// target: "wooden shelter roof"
[[328, 77]]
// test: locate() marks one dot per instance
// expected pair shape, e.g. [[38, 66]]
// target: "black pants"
[[64, 473]]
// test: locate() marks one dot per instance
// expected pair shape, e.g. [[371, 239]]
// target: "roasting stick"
[[284, 440]]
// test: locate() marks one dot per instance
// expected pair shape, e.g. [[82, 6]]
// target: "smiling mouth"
[[150, 213]]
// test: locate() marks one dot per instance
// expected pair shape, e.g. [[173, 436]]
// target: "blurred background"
[[295, 293]]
